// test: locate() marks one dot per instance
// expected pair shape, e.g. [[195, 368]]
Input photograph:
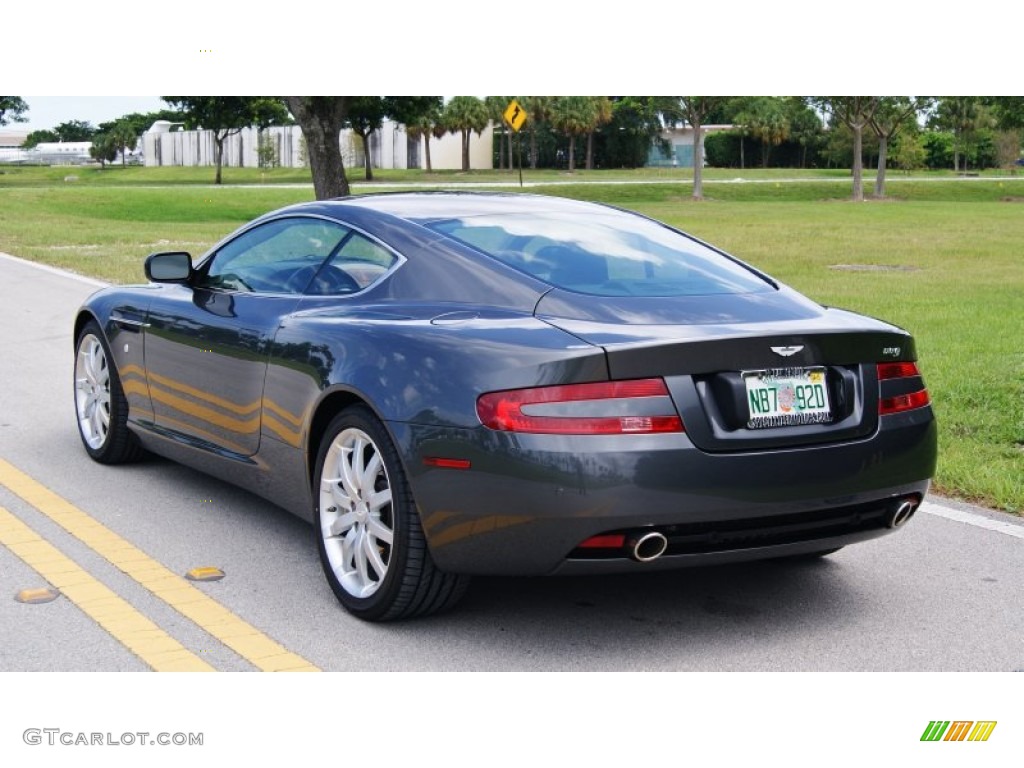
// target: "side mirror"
[[169, 267]]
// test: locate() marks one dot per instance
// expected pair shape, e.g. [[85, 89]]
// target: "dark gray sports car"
[[448, 384]]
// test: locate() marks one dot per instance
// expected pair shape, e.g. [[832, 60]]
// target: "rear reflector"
[[887, 405], [443, 463], [605, 541], [640, 406]]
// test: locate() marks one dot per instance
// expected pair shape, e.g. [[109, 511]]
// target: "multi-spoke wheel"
[[100, 404], [372, 547]]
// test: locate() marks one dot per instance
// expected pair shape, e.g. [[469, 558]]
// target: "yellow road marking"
[[191, 602], [116, 615]]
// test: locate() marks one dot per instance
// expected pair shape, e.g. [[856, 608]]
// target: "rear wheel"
[[100, 405], [372, 547]]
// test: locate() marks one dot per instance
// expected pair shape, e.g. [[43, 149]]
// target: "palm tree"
[[425, 125], [765, 118], [465, 115], [496, 106], [602, 116], [573, 116], [539, 110]]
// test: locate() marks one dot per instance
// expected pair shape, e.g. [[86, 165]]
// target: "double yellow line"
[[118, 617]]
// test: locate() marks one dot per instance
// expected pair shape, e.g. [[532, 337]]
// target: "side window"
[[355, 267], [281, 256]]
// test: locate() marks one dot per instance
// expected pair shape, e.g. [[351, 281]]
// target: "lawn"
[[941, 257]]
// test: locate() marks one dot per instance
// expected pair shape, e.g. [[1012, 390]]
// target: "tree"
[[962, 116], [465, 115], [804, 127], [226, 116], [539, 110], [140, 122], [12, 110], [365, 115], [1009, 115], [602, 116], [766, 120], [634, 127], [695, 110], [75, 130], [909, 152], [104, 149], [415, 111], [35, 138], [855, 112], [321, 119], [573, 116], [426, 124], [893, 114], [496, 106]]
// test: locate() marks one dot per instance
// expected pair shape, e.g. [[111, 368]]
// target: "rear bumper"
[[528, 501]]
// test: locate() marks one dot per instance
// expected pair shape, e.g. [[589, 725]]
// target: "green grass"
[[954, 245]]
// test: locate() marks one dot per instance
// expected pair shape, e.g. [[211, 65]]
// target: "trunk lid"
[[705, 353]]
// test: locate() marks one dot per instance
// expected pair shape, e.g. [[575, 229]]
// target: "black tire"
[[101, 409], [372, 547]]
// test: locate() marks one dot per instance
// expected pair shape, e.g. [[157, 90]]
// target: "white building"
[[167, 144], [680, 141]]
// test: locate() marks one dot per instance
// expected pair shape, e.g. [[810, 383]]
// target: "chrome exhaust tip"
[[645, 546], [901, 512]]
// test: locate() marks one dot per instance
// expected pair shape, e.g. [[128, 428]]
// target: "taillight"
[[637, 407], [900, 403], [897, 371]]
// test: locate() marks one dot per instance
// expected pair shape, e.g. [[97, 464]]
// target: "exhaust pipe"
[[901, 511], [645, 546]]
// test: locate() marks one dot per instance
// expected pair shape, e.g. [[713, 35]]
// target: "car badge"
[[786, 351]]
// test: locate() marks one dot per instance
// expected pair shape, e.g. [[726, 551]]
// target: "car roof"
[[430, 205]]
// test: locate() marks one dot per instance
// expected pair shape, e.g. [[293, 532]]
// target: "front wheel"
[[372, 547], [100, 405]]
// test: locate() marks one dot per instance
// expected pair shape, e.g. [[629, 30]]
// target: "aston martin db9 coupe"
[[447, 384]]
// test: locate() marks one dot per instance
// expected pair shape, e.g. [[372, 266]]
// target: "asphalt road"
[[943, 594]]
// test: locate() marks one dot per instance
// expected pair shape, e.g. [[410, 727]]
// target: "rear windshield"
[[603, 254]]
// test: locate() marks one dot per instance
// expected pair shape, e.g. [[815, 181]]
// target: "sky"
[[44, 112]]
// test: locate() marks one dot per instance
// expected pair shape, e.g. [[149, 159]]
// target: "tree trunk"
[[426, 151], [572, 153], [465, 149], [858, 162], [590, 151], [501, 150], [321, 119], [698, 161], [883, 155], [742, 162], [511, 165], [218, 153], [367, 162], [533, 149]]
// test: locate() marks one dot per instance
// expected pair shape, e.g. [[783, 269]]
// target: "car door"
[[208, 340]]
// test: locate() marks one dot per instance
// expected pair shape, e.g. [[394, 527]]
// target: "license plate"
[[785, 397]]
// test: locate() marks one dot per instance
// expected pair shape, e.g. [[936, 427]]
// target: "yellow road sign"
[[515, 115]]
